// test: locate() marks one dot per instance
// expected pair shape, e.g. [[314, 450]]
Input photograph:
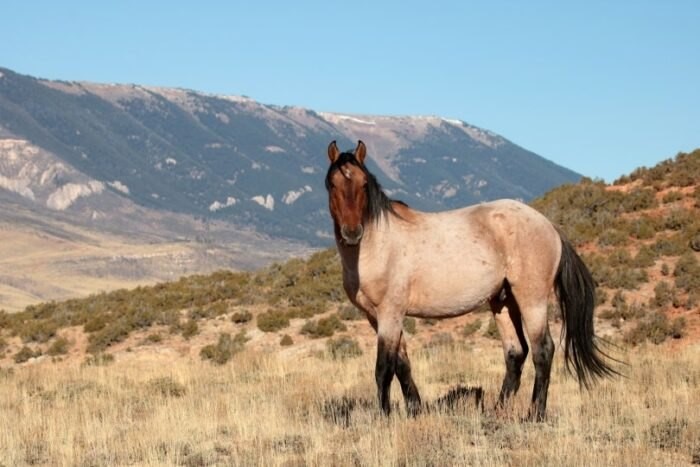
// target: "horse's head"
[[346, 183]]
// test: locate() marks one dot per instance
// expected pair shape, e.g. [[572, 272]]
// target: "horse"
[[398, 262]]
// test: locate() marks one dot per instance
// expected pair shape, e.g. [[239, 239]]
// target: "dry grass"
[[272, 409]]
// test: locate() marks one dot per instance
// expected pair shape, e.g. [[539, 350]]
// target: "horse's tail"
[[575, 289]]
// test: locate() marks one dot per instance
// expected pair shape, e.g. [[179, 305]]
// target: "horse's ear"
[[360, 152], [333, 151]]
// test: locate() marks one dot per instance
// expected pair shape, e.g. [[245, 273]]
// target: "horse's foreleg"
[[388, 343], [408, 386]]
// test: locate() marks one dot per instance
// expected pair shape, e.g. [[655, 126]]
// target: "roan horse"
[[400, 262]]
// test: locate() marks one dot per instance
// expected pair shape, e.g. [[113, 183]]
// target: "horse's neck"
[[372, 252]]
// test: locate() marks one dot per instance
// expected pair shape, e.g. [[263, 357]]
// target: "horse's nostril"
[[352, 235]]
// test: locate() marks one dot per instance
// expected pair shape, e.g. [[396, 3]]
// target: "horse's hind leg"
[[506, 313], [542, 355], [537, 328]]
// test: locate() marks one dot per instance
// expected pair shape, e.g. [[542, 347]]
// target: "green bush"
[[190, 329], [663, 294], [613, 237], [225, 348], [286, 340], [112, 333], [350, 313], [25, 353], [642, 228], [672, 196], [687, 272], [645, 257], [272, 321], [409, 325], [38, 331], [492, 330], [59, 346], [99, 359], [655, 328], [471, 328], [166, 386], [343, 347], [241, 317], [324, 327]]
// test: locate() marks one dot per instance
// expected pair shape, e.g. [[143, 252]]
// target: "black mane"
[[378, 203]]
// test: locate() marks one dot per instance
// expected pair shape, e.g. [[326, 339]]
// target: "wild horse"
[[399, 262]]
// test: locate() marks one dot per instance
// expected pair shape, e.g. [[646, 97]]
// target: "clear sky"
[[600, 87]]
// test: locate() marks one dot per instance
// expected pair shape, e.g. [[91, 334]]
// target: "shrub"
[[113, 332], [38, 330], [626, 278], [664, 269], [286, 340], [350, 313], [669, 246], [613, 237], [190, 329], [343, 347], [656, 328], [492, 330], [639, 199], [241, 317], [99, 359], [272, 321], [663, 294], [59, 346], [25, 353], [642, 228], [672, 196], [154, 338], [471, 328], [409, 325], [166, 387], [687, 272], [95, 323], [225, 348], [324, 327], [644, 258]]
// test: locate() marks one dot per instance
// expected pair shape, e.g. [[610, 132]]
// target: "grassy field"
[[278, 409]]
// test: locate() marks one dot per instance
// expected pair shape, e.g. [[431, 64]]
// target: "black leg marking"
[[542, 357], [514, 369], [384, 373], [408, 386]]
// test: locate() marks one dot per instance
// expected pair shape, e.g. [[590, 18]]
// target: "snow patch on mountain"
[[291, 196], [119, 186], [217, 205], [274, 149], [268, 202], [62, 198]]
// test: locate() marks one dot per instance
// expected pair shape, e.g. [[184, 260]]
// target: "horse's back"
[[461, 257]]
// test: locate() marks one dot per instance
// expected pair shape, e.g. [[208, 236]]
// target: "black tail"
[[576, 293]]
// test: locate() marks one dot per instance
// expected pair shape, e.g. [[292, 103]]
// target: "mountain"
[[85, 147]]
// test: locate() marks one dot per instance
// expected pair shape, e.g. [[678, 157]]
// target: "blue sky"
[[599, 87]]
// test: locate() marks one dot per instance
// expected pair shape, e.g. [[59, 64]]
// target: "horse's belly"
[[452, 293]]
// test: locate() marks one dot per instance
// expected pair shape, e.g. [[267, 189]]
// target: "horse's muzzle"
[[352, 236]]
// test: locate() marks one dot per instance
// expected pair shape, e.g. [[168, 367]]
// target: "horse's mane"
[[378, 203]]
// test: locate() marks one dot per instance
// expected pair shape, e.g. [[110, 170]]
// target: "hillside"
[[84, 148], [640, 236]]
